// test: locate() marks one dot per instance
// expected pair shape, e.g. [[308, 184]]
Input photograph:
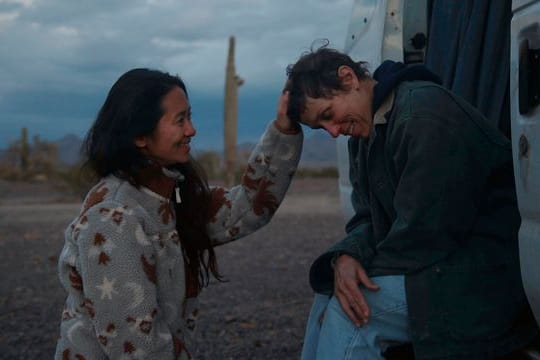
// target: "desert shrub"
[[9, 172], [211, 163], [36, 161], [75, 179]]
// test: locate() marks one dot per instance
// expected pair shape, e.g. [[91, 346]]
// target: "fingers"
[[286, 87], [348, 310], [353, 303], [366, 281], [283, 102], [281, 115], [348, 275]]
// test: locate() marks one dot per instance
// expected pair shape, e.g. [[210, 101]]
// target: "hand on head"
[[282, 120]]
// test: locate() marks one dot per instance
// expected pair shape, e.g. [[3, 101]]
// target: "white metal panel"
[[392, 46], [518, 4], [526, 140], [364, 39]]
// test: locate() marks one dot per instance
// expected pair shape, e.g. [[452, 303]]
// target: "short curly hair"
[[315, 75]]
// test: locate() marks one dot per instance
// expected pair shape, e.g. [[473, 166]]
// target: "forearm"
[[240, 210]]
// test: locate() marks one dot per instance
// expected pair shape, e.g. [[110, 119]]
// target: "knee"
[[335, 316]]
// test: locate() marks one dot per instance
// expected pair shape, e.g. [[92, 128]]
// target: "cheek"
[[170, 135], [351, 110]]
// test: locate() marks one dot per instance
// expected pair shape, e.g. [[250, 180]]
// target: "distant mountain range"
[[319, 150], [69, 149]]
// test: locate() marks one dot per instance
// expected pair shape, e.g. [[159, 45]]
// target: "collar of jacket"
[[160, 180], [380, 116], [391, 73]]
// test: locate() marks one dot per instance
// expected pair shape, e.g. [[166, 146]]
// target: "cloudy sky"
[[58, 58]]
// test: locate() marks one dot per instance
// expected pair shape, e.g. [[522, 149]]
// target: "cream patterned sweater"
[[122, 263]]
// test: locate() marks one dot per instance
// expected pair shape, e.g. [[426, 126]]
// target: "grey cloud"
[[81, 47], [53, 36]]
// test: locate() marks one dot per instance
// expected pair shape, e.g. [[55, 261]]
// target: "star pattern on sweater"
[[109, 246], [115, 215], [107, 288], [263, 159]]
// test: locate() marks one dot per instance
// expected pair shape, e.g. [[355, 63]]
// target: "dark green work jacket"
[[434, 197]]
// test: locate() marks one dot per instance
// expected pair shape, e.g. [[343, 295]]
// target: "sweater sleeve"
[[244, 208], [119, 279]]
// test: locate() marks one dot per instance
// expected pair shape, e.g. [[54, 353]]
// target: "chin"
[[183, 161], [362, 136]]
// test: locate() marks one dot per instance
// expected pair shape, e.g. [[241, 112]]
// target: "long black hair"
[[132, 109]]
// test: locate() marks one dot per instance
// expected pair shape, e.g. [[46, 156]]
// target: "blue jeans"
[[331, 335]]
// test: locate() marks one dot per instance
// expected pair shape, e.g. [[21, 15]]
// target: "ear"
[[141, 142], [348, 77]]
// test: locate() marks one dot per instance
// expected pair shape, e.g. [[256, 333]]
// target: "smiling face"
[[346, 112], [169, 143]]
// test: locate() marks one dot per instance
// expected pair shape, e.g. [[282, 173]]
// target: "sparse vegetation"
[[76, 179], [321, 172], [38, 161], [25, 150], [211, 163], [29, 162]]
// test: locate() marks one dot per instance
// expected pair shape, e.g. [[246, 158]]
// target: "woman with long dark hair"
[[141, 249]]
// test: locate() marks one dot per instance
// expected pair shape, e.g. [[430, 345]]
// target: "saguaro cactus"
[[25, 150], [232, 82]]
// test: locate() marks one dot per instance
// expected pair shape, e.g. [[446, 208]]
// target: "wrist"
[[335, 258], [289, 128]]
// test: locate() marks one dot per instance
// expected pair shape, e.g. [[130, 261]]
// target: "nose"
[[190, 129], [332, 129]]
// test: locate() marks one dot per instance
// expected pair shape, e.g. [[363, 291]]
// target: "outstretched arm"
[[244, 208]]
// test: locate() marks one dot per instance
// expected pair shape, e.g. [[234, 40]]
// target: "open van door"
[[525, 114]]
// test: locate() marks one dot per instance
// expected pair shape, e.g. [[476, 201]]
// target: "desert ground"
[[259, 313]]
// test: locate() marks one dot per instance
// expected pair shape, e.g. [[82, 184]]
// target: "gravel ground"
[[259, 313]]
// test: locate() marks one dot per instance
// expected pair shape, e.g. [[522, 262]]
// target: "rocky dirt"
[[259, 313]]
